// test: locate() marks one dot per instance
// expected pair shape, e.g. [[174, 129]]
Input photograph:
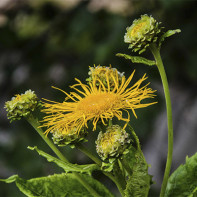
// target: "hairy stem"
[[161, 69], [35, 124]]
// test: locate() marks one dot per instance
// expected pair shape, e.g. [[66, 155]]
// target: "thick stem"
[[161, 69], [35, 124], [99, 163]]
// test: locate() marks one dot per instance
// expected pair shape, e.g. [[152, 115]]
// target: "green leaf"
[[183, 181], [137, 59], [194, 193], [168, 34], [11, 179], [58, 185], [138, 184], [68, 167]]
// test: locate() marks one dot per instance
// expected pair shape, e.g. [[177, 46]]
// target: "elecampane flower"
[[93, 103]]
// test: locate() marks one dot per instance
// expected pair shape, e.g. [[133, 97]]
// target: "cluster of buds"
[[142, 33], [21, 105], [103, 74], [113, 143]]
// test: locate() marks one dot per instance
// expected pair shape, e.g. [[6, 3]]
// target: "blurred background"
[[50, 42]]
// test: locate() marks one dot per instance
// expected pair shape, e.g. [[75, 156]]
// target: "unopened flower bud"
[[105, 75], [142, 33], [112, 143], [71, 137], [21, 105]]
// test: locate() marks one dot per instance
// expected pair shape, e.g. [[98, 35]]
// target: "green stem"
[[99, 163], [35, 124], [110, 122], [84, 150], [161, 69]]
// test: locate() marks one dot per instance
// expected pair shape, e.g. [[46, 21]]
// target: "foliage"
[[57, 185], [137, 59], [138, 184], [68, 167], [183, 181]]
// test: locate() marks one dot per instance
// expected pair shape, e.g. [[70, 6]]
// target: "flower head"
[[96, 102], [101, 71], [142, 33], [112, 143], [21, 105], [70, 137]]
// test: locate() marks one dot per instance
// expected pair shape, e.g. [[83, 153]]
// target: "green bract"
[[72, 137], [112, 143], [141, 33], [21, 105]]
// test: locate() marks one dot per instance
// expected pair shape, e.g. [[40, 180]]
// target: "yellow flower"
[[93, 103]]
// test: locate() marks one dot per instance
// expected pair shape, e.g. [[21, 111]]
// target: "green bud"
[[21, 105], [142, 33], [112, 143], [105, 75], [71, 137]]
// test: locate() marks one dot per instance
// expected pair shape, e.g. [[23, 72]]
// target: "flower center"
[[137, 28], [18, 97], [98, 103], [108, 140]]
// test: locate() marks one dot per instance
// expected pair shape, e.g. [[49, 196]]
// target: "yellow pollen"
[[96, 103], [108, 140], [137, 28], [18, 97]]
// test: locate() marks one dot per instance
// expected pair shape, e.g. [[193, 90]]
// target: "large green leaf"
[[137, 59], [58, 185], [183, 181], [168, 34], [68, 167], [138, 184]]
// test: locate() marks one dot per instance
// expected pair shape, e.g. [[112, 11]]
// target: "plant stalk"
[[99, 163], [159, 63], [35, 124]]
